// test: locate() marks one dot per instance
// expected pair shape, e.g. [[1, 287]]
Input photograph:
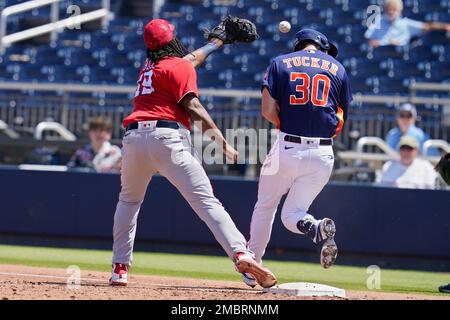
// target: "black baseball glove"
[[443, 167], [233, 29]]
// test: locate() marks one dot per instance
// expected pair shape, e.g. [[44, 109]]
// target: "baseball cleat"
[[119, 275], [325, 234], [246, 264], [445, 289], [249, 280]]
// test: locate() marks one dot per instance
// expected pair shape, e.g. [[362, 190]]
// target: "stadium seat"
[[115, 55]]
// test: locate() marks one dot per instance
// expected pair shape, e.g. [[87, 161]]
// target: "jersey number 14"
[[312, 93]]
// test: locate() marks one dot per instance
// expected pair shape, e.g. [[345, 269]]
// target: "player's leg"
[[136, 173], [186, 173], [275, 179], [304, 190]]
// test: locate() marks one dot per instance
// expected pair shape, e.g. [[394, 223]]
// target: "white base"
[[305, 289]]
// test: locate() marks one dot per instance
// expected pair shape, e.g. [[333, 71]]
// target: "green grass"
[[221, 268]]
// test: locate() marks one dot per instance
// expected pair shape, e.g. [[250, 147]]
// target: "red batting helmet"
[[158, 33]]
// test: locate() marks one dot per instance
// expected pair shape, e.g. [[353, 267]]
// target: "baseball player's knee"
[[265, 208], [132, 195]]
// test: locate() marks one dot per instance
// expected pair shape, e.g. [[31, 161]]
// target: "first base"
[[305, 289]]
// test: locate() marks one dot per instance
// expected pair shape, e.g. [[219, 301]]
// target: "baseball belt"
[[294, 139], [159, 124]]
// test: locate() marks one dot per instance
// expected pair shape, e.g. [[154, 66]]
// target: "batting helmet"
[[317, 37], [158, 33]]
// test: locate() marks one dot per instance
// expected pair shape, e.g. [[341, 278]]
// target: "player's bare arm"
[[199, 56], [198, 113], [269, 107], [436, 26]]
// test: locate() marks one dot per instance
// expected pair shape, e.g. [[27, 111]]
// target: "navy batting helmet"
[[317, 37]]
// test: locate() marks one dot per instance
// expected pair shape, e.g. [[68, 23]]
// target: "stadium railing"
[[53, 27], [369, 115]]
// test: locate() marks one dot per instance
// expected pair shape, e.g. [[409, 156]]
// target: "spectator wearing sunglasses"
[[406, 120], [408, 171]]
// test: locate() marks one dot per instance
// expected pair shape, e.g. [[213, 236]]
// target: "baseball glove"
[[443, 167], [233, 29]]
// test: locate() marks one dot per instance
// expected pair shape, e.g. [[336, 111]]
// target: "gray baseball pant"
[[149, 150]]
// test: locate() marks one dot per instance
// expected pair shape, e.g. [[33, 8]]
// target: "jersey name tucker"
[[303, 61]]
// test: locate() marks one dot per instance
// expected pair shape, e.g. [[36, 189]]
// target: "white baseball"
[[284, 27]]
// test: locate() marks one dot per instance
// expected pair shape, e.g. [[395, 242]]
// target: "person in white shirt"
[[396, 30], [408, 172]]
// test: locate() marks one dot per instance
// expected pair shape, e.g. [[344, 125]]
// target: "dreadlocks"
[[173, 49]]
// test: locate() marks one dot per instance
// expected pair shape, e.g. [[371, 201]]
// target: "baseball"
[[284, 26]]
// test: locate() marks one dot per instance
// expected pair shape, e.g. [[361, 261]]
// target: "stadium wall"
[[370, 220]]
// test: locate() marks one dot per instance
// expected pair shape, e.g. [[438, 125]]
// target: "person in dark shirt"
[[99, 155]]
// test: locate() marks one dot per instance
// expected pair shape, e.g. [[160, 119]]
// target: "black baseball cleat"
[[323, 237], [325, 234], [445, 288]]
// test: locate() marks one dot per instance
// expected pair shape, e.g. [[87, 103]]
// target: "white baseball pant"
[[300, 169], [149, 150]]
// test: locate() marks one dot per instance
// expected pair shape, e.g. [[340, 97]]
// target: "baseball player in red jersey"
[[306, 93], [157, 139]]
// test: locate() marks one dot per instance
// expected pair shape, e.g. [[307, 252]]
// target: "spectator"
[[406, 119], [99, 155], [408, 172], [397, 30]]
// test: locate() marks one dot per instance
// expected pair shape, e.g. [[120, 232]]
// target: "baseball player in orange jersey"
[[157, 139], [306, 94]]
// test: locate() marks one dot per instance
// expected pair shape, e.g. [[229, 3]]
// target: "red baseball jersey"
[[161, 87]]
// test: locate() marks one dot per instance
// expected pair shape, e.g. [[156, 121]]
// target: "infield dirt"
[[21, 282]]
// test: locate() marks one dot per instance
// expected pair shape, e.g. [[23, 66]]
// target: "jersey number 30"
[[306, 92]]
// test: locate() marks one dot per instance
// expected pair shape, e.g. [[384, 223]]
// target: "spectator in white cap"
[[394, 29], [406, 120], [409, 171]]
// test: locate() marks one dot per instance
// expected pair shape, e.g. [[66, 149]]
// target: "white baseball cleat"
[[119, 275], [246, 264], [325, 233], [249, 280]]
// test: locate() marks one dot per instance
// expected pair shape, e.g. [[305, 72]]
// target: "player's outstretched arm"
[[198, 57], [200, 116], [269, 107], [230, 30]]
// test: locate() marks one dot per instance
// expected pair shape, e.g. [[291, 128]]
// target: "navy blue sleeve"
[[345, 96], [269, 80]]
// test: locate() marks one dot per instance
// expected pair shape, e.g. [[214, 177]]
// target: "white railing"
[[377, 142], [157, 5], [438, 144], [54, 127], [9, 132], [64, 87], [359, 156], [53, 27], [226, 93]]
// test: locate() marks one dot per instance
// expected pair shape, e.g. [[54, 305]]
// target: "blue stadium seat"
[[116, 55]]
